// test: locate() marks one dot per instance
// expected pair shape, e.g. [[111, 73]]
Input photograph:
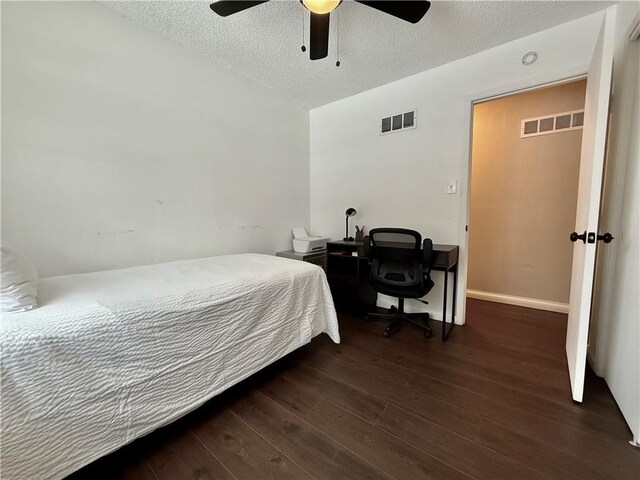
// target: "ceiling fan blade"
[[319, 36], [224, 8], [409, 10]]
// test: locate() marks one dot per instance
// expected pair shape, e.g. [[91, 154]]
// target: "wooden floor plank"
[[357, 401], [375, 363], [565, 438], [509, 366], [441, 412], [540, 456], [589, 416], [460, 363], [181, 456], [469, 457], [387, 452], [243, 452], [492, 402], [558, 435], [541, 381], [411, 361], [562, 410], [302, 442], [490, 325]]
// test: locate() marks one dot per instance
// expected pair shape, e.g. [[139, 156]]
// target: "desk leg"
[[444, 306], [455, 295], [445, 333]]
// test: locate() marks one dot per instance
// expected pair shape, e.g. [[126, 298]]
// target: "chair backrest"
[[396, 257]]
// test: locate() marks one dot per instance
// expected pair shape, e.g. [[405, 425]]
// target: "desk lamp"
[[351, 212]]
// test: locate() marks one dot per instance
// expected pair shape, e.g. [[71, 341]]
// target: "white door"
[[594, 135]]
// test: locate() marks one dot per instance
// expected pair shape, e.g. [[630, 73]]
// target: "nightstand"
[[317, 257]]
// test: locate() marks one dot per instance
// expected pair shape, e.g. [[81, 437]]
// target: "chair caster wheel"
[[386, 334], [428, 334]]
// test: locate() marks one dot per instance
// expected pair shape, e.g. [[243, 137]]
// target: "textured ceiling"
[[263, 43]]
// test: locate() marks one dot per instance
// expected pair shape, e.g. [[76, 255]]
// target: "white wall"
[[614, 346], [401, 179], [120, 147]]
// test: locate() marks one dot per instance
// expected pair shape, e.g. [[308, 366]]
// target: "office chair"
[[400, 268]]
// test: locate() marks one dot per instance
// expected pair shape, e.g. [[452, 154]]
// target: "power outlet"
[[452, 187]]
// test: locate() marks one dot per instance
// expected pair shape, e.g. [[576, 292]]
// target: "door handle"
[[606, 238], [574, 237]]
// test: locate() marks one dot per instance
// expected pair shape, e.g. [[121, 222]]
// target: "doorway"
[[525, 165]]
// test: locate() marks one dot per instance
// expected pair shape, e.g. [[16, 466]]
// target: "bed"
[[110, 356]]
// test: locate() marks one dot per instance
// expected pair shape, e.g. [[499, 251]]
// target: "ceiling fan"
[[409, 10]]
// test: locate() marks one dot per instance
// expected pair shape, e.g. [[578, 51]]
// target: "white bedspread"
[[111, 356]]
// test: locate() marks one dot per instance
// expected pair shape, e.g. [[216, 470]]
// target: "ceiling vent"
[[398, 121], [556, 123]]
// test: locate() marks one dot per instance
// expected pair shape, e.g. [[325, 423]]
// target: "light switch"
[[452, 187]]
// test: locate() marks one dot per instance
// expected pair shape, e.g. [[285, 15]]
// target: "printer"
[[303, 243]]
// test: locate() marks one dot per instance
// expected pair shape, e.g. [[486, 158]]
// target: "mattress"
[[110, 356]]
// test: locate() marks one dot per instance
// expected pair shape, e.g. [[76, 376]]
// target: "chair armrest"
[[427, 254]]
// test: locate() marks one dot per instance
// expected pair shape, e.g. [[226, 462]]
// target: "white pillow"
[[18, 282]]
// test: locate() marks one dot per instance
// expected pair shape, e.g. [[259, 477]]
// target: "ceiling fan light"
[[321, 6]]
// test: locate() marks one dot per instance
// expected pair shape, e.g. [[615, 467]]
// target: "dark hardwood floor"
[[493, 402]]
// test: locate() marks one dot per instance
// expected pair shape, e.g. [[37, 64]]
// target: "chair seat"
[[416, 291]]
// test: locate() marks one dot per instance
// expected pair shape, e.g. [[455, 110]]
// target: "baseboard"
[[519, 301]]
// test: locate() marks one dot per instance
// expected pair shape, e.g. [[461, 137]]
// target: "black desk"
[[348, 274]]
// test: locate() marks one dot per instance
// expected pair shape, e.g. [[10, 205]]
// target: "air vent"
[[398, 121], [556, 123]]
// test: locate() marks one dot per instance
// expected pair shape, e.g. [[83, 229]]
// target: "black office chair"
[[400, 268]]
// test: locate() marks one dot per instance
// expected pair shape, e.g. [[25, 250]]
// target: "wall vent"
[[556, 123], [398, 121]]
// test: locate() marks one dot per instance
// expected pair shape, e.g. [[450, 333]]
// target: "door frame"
[[560, 77]]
